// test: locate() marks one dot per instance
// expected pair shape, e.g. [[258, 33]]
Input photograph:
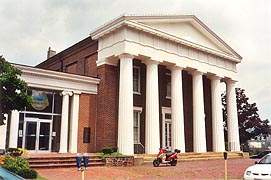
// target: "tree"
[[13, 94], [249, 122]]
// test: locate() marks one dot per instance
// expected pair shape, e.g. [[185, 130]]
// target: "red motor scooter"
[[171, 157]]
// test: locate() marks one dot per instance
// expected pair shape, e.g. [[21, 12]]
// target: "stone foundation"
[[119, 161]]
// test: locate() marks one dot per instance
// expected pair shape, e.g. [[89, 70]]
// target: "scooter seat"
[[168, 154]]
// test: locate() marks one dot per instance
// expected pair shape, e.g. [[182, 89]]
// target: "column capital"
[[229, 81], [126, 56], [175, 68], [63, 93], [214, 77], [196, 72], [149, 62], [76, 92]]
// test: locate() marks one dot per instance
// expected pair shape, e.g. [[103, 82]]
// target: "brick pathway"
[[213, 169]]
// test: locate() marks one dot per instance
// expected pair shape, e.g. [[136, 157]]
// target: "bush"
[[115, 149], [28, 173], [15, 164], [109, 149]]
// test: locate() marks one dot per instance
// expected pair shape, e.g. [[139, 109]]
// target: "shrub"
[[115, 149], [109, 149], [15, 164], [28, 173]]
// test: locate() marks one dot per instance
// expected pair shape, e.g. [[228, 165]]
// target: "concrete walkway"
[[212, 169]]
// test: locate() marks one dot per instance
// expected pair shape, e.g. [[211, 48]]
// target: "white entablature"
[[47, 79], [181, 40]]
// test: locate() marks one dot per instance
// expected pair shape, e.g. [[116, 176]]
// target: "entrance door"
[[37, 135], [166, 128]]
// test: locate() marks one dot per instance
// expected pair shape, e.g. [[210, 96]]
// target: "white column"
[[178, 136], [3, 133], [13, 130], [152, 109], [64, 122], [199, 135], [74, 122], [232, 117], [125, 121], [217, 116]]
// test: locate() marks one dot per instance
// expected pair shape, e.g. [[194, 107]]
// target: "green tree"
[[250, 124], [13, 94]]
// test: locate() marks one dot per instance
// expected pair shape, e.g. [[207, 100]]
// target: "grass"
[[41, 178]]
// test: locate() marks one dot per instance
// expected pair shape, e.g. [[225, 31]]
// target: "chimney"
[[50, 53]]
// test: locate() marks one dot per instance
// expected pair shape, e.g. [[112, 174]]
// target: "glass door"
[[30, 138], [167, 134], [37, 137], [44, 136], [166, 128]]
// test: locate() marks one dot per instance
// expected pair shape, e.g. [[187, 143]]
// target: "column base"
[[233, 146]]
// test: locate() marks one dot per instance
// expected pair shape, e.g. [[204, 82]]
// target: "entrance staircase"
[[190, 156], [60, 161], [56, 160]]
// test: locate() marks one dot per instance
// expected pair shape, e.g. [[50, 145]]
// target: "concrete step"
[[200, 156], [61, 161]]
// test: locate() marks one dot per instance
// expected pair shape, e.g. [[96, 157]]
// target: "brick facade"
[[87, 119], [100, 112], [107, 106]]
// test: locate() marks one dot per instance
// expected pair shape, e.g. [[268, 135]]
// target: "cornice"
[[128, 21], [37, 72]]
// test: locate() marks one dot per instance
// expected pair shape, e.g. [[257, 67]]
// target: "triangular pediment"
[[188, 28], [184, 29], [188, 32]]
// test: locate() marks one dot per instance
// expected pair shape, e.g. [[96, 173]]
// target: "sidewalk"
[[212, 169]]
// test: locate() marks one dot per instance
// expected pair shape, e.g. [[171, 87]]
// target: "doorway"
[[166, 128], [37, 135]]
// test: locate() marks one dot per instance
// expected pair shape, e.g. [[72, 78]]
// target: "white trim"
[[47, 79], [134, 22], [135, 108]]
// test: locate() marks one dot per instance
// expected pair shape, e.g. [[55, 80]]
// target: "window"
[[168, 84], [137, 113], [86, 135], [136, 80]]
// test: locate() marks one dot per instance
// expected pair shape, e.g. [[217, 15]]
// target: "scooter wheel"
[[173, 162], [155, 163]]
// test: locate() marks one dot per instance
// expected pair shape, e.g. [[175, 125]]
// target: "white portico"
[[56, 130], [180, 42]]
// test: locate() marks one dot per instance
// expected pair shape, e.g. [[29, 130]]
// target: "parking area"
[[212, 169]]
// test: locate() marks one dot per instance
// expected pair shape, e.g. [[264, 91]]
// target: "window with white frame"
[[137, 113], [168, 84], [136, 80]]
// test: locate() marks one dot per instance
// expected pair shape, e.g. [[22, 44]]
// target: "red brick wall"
[[208, 112], [188, 111], [140, 100], [107, 106], [78, 59], [87, 119]]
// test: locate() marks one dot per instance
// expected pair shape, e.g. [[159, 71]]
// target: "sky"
[[29, 27]]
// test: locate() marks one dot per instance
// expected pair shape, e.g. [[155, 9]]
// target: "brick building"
[[137, 82]]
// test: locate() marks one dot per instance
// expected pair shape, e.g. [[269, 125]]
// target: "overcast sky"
[[29, 27]]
